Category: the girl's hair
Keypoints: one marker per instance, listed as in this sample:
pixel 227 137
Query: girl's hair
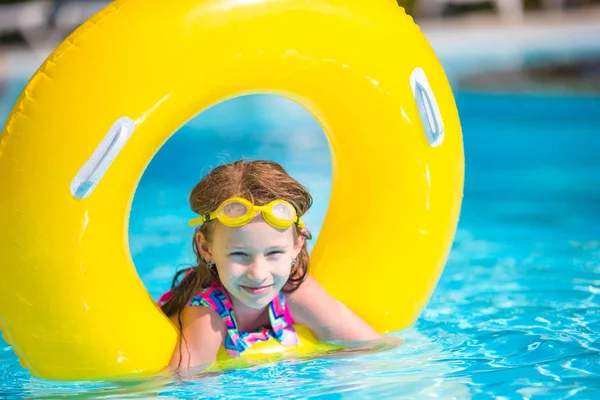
pixel 258 181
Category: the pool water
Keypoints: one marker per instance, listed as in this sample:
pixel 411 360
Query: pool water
pixel 516 312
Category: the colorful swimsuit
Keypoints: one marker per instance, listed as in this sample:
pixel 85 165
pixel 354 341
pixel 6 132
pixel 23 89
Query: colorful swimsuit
pixel 216 298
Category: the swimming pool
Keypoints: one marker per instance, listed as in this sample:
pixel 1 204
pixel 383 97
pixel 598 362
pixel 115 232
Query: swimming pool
pixel 516 312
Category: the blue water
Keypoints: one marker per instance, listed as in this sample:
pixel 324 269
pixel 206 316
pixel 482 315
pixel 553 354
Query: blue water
pixel 516 312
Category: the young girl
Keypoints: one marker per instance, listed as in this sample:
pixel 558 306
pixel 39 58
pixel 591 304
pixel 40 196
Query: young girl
pixel 252 266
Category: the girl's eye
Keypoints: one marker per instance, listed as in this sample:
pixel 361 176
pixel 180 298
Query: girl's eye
pixel 275 253
pixel 238 254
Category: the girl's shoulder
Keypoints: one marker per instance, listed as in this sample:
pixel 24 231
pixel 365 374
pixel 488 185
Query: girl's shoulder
pixel 203 331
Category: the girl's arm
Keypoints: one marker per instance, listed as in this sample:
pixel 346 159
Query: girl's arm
pixel 327 318
pixel 203 333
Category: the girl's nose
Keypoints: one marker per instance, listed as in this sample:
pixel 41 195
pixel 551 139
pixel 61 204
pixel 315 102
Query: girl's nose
pixel 257 271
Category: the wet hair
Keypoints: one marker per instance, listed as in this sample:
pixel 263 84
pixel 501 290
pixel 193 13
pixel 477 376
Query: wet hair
pixel 257 181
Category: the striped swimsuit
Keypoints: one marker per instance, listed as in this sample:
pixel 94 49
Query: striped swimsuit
pixel 216 298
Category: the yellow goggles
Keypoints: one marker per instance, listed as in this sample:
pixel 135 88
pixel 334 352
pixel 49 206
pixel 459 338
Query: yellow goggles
pixel 237 211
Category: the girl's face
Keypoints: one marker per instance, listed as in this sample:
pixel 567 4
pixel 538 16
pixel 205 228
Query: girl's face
pixel 254 261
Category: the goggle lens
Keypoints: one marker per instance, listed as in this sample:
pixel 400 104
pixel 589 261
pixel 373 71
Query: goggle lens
pixel 234 209
pixel 283 211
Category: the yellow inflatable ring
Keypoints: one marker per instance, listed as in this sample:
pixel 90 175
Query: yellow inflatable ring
pixel 92 117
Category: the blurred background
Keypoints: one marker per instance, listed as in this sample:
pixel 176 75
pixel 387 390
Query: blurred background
pixel 516 33
pixel 515 313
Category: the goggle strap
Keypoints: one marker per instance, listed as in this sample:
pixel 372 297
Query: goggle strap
pixel 199 220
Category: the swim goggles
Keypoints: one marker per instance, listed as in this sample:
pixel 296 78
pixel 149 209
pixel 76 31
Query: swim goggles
pixel 237 211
